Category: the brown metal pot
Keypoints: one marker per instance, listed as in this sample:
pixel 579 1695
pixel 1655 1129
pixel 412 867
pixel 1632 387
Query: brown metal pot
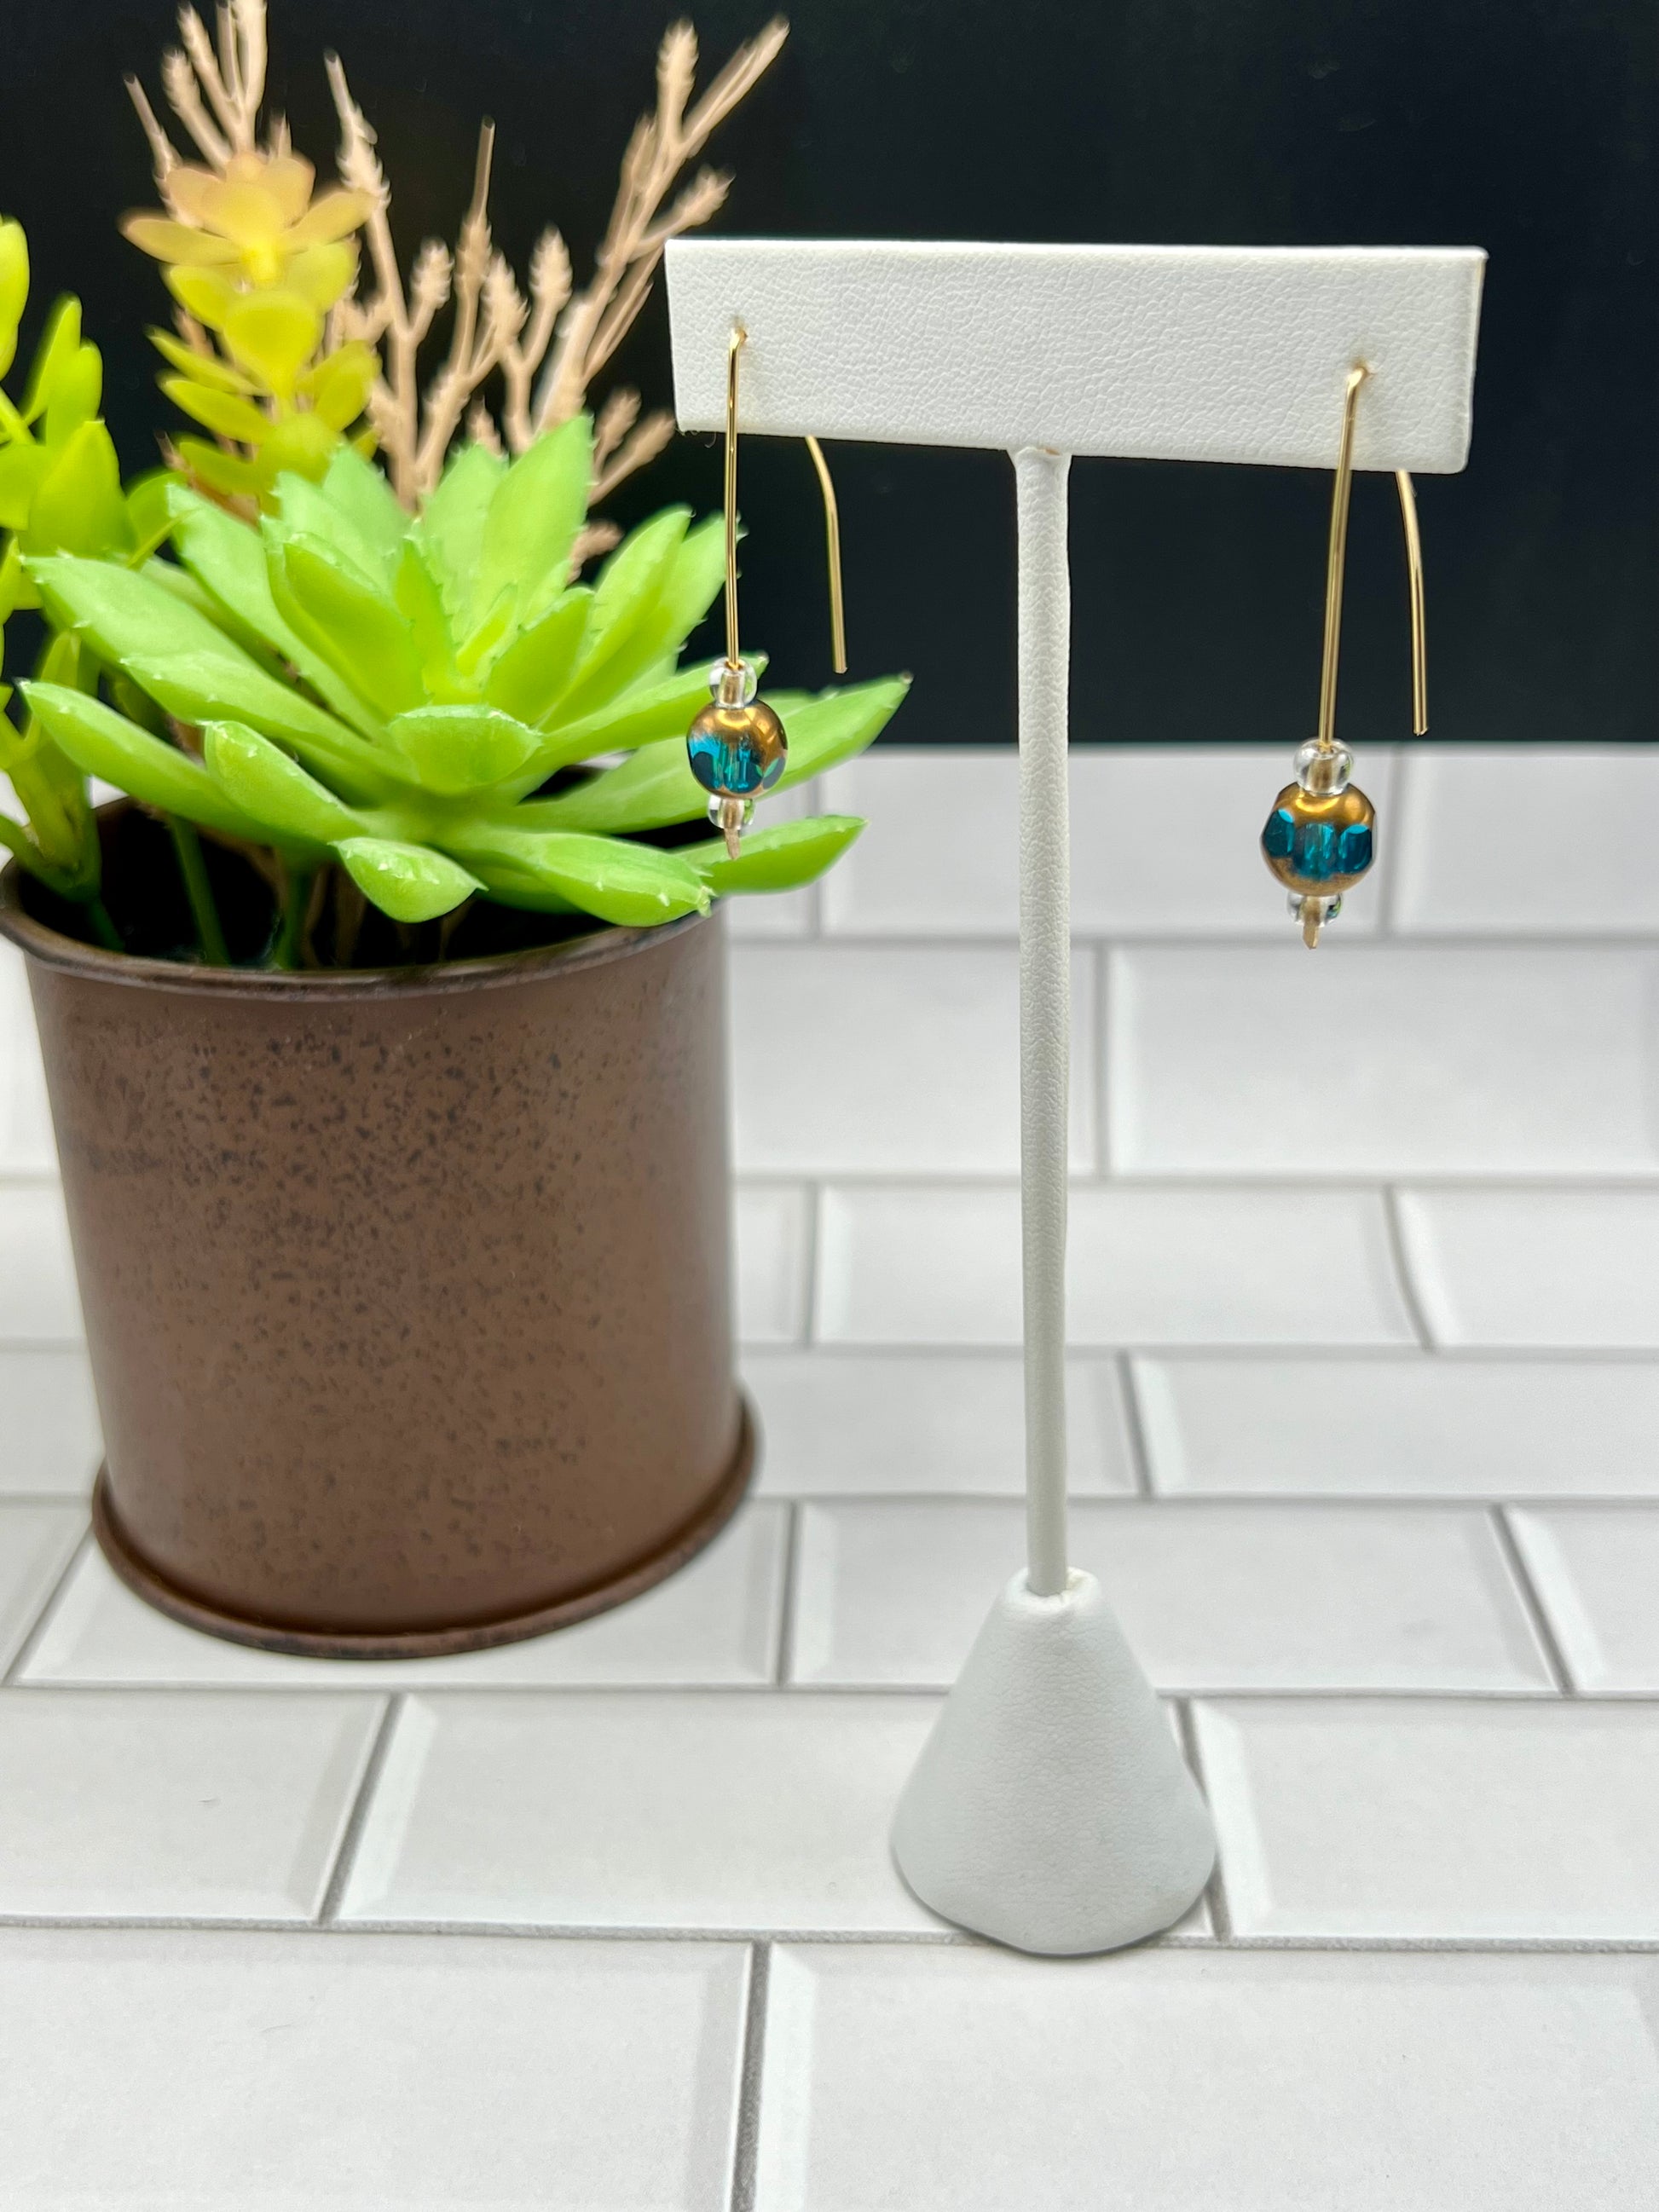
pixel 406 1289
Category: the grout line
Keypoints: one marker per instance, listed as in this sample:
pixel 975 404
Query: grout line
pixel 769 1353
pixel 1105 1059
pixel 842 1938
pixel 1255 935
pixel 749 2080
pixel 1532 1602
pixel 26 1650
pixel 809 1304
pixel 1140 1458
pixel 939 1939
pixel 1281 1181
pixel 1394 1228
pixel 729 1692
pixel 356 1820
pixel 786 1599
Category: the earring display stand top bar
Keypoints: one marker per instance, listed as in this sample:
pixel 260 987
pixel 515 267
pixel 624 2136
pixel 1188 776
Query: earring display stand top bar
pixel 1189 353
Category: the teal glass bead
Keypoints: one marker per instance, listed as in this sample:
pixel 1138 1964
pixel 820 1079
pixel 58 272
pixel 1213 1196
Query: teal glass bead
pixel 1316 851
pixel 737 752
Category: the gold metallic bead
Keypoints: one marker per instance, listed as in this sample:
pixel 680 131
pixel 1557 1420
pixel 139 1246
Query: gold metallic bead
pixel 737 752
pixel 1320 843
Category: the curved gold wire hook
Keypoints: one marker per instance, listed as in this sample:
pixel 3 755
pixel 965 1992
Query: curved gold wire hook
pixel 735 344
pixel 1335 568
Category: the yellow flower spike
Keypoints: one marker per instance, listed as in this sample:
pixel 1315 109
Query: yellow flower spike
pixel 207 294
pixel 258 218
pixel 176 243
pixel 336 215
pixel 323 273
pixel 273 334
pixel 289 178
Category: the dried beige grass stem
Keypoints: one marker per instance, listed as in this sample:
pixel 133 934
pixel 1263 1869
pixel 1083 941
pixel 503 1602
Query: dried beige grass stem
pixel 564 338
pixel 214 91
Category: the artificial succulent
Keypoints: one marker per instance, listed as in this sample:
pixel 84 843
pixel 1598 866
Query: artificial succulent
pixel 393 692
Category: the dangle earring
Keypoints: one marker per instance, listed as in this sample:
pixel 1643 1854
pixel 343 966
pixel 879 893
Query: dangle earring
pixel 1321 836
pixel 737 747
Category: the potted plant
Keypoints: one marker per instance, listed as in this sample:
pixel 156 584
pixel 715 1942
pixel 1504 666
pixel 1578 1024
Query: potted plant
pixel 383 1017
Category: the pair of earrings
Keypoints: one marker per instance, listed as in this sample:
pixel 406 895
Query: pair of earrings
pixel 1321 836
pixel 737 747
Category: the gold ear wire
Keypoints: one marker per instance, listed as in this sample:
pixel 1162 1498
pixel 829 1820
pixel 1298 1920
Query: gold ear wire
pixel 832 547
pixel 739 340
pixel 1336 562
pixel 1335 565
pixel 735 344
pixel 1414 579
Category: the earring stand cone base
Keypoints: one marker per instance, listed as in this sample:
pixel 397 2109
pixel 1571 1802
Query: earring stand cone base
pixel 1051 1808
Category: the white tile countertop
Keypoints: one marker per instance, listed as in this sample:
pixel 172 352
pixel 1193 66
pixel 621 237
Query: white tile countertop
pixel 1364 1400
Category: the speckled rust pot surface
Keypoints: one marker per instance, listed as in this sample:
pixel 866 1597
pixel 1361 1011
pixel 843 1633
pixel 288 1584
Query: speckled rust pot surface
pixel 406 1291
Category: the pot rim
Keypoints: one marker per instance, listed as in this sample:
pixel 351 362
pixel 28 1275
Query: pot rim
pixel 136 971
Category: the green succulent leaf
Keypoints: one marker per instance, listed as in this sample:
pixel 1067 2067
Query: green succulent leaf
pixel 270 789
pixel 528 678
pixel 632 885
pixel 149 512
pixel 17 585
pixel 420 602
pixel 22 467
pixel 302 444
pixel 310 510
pixel 349 620
pixel 477 651
pixel 14 288
pixel 102 743
pixel 452 526
pixel 454 750
pixel 78 507
pixel 410 882
pixel 624 599
pixel 226 473
pixel 780 858
pixel 534 514
pixel 644 715
pixel 361 493
pixel 228 558
pixel 690 585
pixel 66 381
pixel 180 584
pixel 191 669
pixel 656 786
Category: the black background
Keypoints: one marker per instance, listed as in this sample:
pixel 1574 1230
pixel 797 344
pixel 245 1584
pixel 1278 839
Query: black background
pixel 1522 125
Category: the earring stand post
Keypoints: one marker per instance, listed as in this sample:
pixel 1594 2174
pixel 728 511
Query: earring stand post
pixel 1045 995
pixel 1050 1807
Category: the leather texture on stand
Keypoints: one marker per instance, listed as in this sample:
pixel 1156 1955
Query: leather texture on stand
pixel 1190 353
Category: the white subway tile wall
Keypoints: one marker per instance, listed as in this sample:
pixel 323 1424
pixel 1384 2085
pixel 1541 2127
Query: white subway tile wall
pixel 1364 1439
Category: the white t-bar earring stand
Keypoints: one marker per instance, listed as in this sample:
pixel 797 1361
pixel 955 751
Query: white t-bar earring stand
pixel 1050 1807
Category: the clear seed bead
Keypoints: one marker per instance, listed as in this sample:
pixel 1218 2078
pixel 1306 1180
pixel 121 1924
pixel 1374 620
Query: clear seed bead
pixel 732 687
pixel 728 812
pixel 1323 773
pixel 1329 908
